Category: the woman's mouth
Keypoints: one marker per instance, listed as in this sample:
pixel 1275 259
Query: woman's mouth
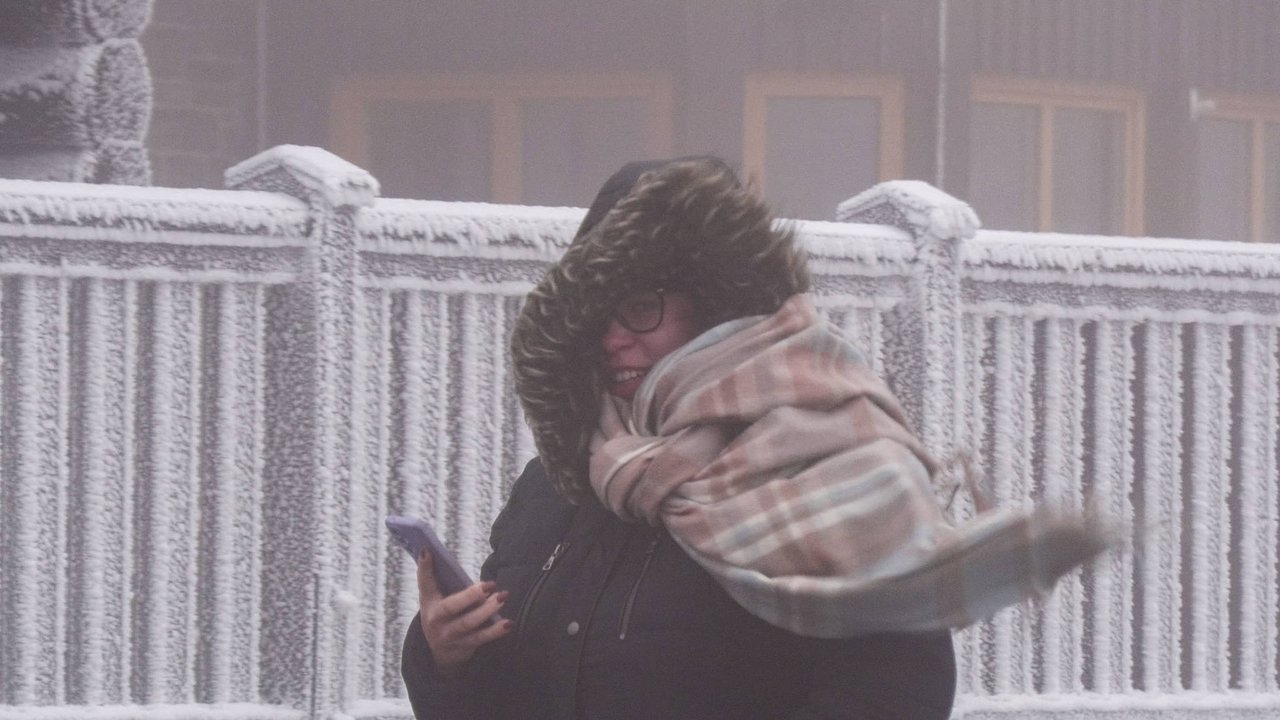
pixel 625 382
pixel 626 375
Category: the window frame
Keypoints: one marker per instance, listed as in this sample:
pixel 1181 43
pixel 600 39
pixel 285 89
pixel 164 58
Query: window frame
pixel 1048 96
pixel 349 131
pixel 1257 111
pixel 761 87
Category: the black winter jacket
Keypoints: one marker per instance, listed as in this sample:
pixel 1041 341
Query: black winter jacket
pixel 613 620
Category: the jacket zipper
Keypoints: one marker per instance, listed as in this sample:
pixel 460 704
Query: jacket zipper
pixel 537 586
pixel 631 598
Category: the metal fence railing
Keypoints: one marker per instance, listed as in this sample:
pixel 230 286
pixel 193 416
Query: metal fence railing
pixel 209 400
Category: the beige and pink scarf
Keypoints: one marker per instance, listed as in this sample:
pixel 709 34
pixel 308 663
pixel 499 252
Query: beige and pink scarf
pixel 784 466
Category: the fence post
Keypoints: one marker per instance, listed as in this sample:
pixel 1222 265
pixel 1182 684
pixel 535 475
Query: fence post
pixel 923 353
pixel 307 465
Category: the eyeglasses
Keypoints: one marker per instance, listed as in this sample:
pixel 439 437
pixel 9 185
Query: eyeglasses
pixel 640 312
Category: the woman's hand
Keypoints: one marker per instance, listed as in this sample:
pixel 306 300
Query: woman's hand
pixel 458 624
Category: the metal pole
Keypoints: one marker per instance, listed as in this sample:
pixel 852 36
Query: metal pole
pixel 940 158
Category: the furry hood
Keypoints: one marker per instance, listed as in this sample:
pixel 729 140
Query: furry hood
pixel 684 224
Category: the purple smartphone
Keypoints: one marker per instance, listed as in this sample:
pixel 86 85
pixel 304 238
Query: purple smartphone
pixel 414 536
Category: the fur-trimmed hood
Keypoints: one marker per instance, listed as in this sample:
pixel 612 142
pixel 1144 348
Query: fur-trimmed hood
pixel 684 224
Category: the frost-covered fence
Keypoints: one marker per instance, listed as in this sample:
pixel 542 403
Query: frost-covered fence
pixel 208 402
pixel 210 399
pixel 133 487
pixel 1138 375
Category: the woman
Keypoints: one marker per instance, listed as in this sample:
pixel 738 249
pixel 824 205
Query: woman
pixel 602 613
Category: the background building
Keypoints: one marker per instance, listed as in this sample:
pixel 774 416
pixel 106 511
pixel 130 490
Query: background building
pixel 1137 117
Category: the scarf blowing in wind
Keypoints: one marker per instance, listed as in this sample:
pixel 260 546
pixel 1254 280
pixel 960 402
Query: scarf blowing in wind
pixel 783 466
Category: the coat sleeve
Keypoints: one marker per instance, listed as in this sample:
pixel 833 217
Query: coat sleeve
pixel 888 676
pixel 431 694
pixel 471 694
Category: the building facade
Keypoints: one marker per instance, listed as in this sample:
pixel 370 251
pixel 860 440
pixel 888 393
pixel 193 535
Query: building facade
pixel 1134 117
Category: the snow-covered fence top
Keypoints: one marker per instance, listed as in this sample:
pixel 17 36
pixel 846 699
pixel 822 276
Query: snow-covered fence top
pixel 210 399
pixel 1141 278
pixel 139 233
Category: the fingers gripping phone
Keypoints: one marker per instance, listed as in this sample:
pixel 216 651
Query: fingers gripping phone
pixel 415 536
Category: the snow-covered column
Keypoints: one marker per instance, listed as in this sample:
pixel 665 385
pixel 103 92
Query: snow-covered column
pixel 75 91
pixel 924 350
pixel 923 353
pixel 310 355
pixel 72 22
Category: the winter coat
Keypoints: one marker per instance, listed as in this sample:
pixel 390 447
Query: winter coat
pixel 613 620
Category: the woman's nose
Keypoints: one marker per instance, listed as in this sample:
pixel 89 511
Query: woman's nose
pixel 616 337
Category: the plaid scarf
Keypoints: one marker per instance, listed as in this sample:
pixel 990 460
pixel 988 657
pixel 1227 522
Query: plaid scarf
pixel 784 466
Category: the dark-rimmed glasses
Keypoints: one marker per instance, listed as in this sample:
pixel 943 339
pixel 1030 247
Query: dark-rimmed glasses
pixel 640 312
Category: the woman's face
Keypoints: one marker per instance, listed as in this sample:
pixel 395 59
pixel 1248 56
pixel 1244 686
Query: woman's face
pixel 631 354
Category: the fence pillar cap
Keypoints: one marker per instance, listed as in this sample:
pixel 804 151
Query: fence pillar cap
pixel 315 172
pixel 915 206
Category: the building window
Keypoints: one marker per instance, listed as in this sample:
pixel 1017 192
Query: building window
pixel 546 140
pixel 1046 156
pixel 1237 171
pixel 810 142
